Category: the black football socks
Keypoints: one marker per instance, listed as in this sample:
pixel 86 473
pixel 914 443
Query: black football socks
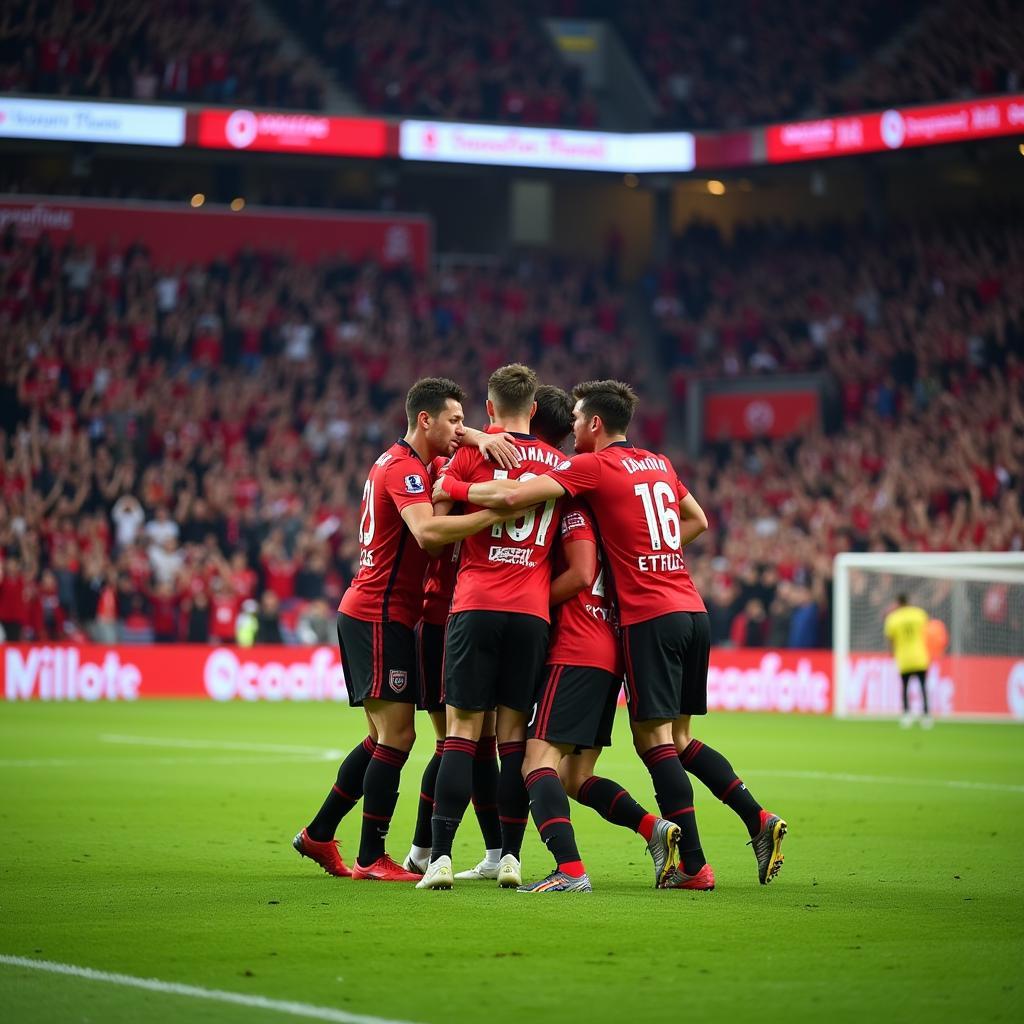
pixel 425 811
pixel 549 807
pixel 380 794
pixel 485 791
pixel 715 772
pixel 674 794
pixel 513 801
pixel 344 794
pixel 451 794
pixel 615 804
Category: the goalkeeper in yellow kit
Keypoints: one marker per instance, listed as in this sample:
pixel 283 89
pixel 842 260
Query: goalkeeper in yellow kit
pixel 905 628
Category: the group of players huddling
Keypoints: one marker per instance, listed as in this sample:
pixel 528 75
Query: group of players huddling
pixel 451 614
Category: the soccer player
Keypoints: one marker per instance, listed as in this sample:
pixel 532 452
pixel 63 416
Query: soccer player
pixel 438 590
pixel 575 710
pixel 397 529
pixel 905 628
pixel 552 423
pixel 646 517
pixel 497 635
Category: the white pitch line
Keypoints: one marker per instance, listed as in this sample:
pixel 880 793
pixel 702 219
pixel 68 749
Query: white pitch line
pixel 890 780
pixel 190 744
pixel 285 1006
pixel 65 762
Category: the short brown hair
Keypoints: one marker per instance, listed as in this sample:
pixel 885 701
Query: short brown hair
pixel 430 395
pixel 552 422
pixel 512 389
pixel 612 400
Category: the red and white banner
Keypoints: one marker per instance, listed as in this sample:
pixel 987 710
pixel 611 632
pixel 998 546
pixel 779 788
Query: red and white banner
pixel 895 129
pixel 512 146
pixel 269 132
pixel 746 415
pixel 738 680
pixel 176 233
pixel 758 680
pixel 958 686
pixel 61 672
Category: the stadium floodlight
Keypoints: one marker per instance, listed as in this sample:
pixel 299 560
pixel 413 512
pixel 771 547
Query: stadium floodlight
pixel 978 596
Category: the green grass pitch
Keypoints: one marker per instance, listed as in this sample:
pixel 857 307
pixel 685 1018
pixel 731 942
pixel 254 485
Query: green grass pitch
pixel 153 840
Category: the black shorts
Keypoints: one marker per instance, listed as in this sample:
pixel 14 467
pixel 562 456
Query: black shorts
pixel 430 652
pixel 920 675
pixel 667 666
pixel 379 660
pixel 575 705
pixel 493 658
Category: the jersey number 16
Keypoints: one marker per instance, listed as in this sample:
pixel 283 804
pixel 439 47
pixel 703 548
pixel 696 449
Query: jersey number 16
pixel 662 518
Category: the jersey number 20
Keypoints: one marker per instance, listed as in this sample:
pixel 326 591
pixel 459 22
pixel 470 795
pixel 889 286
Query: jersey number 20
pixel 367 524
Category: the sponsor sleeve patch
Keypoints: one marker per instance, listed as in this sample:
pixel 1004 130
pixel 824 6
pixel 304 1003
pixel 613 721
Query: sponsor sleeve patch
pixel 573 521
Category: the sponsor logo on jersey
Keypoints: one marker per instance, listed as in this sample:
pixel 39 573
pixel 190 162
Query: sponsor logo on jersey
pixel 366 557
pixel 660 563
pixel 573 521
pixel 398 679
pixel 414 484
pixel 511 556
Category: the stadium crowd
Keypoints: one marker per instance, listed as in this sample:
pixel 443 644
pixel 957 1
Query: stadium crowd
pixel 709 66
pixel 465 60
pixel 177 442
pixel 958 51
pixel 212 51
pixel 733 65
pixel 920 332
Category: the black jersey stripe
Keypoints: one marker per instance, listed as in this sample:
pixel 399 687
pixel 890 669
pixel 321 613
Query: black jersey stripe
pixel 402 538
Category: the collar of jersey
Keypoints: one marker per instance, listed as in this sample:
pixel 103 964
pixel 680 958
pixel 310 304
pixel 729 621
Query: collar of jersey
pixel 620 444
pixel 412 451
pixel 523 437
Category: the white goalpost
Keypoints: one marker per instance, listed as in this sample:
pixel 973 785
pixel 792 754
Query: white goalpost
pixel 979 598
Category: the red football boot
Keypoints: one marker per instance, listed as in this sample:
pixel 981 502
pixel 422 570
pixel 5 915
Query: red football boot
pixel 703 881
pixel 383 869
pixel 326 854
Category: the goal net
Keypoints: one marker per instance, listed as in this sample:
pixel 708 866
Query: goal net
pixel 979 599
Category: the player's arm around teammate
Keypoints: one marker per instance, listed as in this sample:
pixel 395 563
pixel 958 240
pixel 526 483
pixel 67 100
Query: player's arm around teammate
pixel 376 619
pixel 435 532
pixel 497 448
pixel 514 495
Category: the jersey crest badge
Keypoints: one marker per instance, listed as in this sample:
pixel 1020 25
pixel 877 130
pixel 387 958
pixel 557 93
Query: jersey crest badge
pixel 398 678
pixel 414 484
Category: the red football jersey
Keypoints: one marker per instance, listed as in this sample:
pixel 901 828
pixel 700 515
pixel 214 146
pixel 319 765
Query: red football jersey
pixel 389 584
pixel 584 632
pixel 635 497
pixel 439 581
pixel 508 568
